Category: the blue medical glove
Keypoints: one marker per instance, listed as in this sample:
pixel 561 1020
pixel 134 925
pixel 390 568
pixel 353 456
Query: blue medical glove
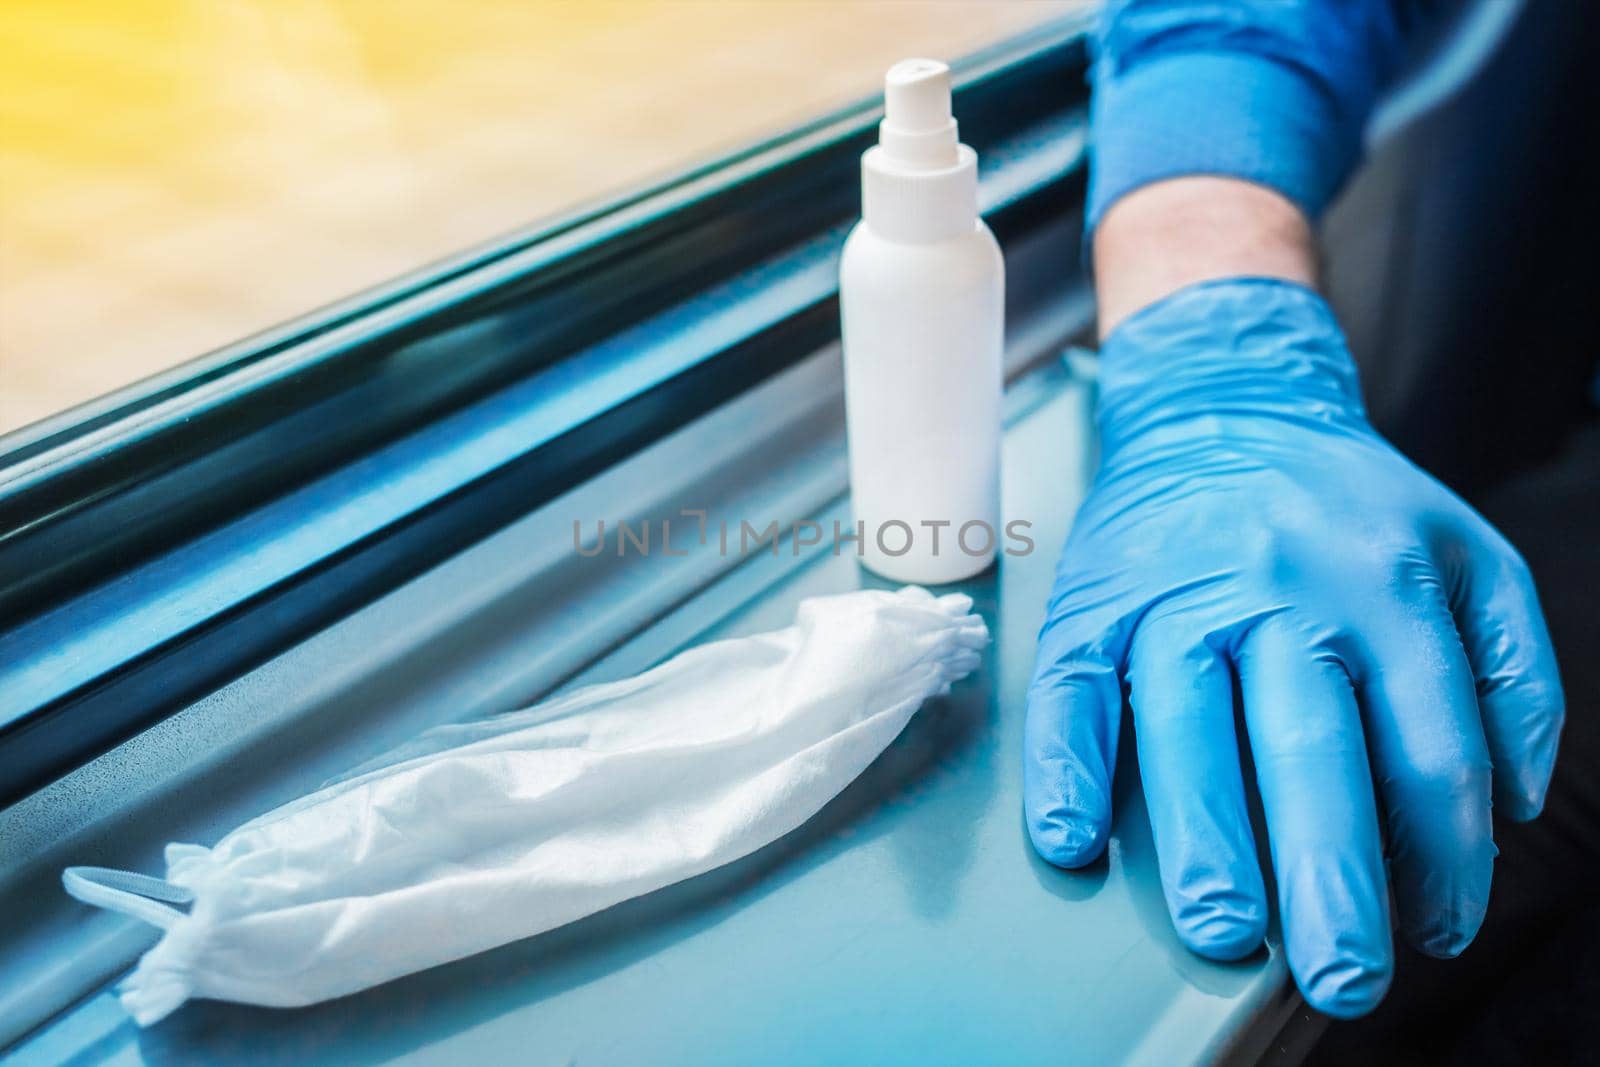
pixel 1249 533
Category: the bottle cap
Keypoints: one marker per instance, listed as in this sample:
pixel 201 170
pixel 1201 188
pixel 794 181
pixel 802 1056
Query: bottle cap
pixel 920 183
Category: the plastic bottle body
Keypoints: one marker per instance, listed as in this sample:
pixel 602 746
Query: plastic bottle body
pixel 923 330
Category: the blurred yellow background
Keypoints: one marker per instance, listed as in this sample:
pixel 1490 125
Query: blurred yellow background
pixel 177 175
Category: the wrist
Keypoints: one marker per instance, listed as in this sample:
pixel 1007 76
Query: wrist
pixel 1234 349
pixel 1167 236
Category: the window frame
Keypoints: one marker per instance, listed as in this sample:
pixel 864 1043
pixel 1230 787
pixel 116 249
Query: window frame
pixel 160 542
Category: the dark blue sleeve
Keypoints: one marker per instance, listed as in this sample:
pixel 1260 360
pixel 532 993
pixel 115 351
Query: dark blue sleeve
pixel 1272 91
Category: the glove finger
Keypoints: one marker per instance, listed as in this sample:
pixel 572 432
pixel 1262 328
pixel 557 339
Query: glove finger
pixel 1316 792
pixel 1069 750
pixel 1514 669
pixel 1432 761
pixel 1182 697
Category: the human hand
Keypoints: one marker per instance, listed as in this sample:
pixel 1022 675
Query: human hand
pixel 1248 529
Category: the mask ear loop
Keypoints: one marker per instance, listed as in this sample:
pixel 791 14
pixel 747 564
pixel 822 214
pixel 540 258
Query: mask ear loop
pixel 134 895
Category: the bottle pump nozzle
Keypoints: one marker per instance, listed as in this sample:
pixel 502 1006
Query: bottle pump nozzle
pixel 918 130
pixel 919 183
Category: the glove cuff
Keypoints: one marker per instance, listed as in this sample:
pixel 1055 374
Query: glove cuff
pixel 1254 347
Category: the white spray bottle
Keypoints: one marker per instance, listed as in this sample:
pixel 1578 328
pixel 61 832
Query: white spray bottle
pixel 922 300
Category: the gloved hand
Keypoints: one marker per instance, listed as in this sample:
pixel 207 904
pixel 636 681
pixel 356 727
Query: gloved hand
pixel 1247 526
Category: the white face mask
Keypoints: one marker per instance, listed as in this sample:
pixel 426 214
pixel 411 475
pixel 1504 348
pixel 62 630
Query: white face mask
pixel 479 834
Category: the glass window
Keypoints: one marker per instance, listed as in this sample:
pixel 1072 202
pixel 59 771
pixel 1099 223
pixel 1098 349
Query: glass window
pixel 177 175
